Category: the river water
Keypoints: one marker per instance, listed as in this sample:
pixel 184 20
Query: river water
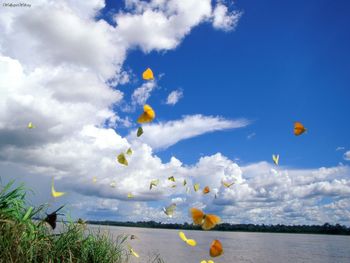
pixel 238 247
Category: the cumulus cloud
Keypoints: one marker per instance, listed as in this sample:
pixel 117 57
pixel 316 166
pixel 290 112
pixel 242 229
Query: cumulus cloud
pixel 347 156
pixel 223 19
pixel 161 25
pixel 165 134
pixel 141 94
pixel 174 97
pixel 63 80
pixel 46 27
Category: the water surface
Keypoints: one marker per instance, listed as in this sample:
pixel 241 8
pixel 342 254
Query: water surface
pixel 238 246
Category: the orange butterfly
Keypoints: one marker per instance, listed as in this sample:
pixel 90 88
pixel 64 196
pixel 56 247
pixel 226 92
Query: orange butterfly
pixel 216 249
pixel 148 114
pixel 298 128
pixel 206 221
pixel 206 190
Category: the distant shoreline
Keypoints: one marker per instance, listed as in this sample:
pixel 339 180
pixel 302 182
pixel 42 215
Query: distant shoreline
pixel 326 229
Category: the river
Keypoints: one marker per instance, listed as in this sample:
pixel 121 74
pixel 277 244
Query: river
pixel 238 247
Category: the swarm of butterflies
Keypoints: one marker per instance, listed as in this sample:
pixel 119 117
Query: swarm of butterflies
pixel 206 221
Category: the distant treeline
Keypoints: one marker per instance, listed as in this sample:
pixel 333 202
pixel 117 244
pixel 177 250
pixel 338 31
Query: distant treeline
pixel 305 229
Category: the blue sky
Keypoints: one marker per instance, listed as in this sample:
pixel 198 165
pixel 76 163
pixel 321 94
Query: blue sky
pixel 247 71
pixel 285 62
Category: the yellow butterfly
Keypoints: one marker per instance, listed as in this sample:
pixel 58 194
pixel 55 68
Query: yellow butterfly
pixel 275 158
pixel 190 242
pixel 148 114
pixel 121 159
pixel 196 187
pixel 209 261
pixel 139 131
pixel 171 178
pixel 169 211
pixel 184 183
pixel 227 184
pixel 53 192
pixel 148 74
pixel 153 183
pixel 130 195
pixel 133 251
pixel 129 151
pixel 112 184
pixel 30 125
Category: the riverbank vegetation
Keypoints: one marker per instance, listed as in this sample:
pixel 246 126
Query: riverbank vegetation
pixel 23 239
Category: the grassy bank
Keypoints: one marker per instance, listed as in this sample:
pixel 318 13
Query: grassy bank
pixel 24 240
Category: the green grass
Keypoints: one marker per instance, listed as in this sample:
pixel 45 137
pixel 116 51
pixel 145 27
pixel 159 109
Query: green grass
pixel 23 239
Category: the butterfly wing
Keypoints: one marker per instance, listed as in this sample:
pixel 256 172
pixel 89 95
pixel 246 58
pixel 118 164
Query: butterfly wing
pixel 275 158
pixel 197 216
pixel 227 184
pixel 169 211
pixel 191 242
pixel 171 178
pixel 53 191
pixel 216 248
pixel 153 183
pixel 139 131
pixel 210 221
pixel 148 114
pixel 206 190
pixel 298 128
pixel 122 160
pixel 196 187
pixel 51 220
pixel 129 151
pixel 182 236
pixel 132 251
pixel 148 74
pixel 184 183
pixel 30 125
pixel 149 111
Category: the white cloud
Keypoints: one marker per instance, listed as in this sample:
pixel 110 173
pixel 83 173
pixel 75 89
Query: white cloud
pixel 165 134
pixel 251 135
pixel 347 156
pixel 142 94
pixel 161 25
pixel 46 29
pixel 174 97
pixel 223 19
pixel 62 79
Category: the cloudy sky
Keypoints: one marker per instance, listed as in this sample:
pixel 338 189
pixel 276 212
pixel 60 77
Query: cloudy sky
pixel 230 80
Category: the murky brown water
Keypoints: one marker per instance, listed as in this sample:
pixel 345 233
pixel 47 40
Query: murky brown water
pixel 238 246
